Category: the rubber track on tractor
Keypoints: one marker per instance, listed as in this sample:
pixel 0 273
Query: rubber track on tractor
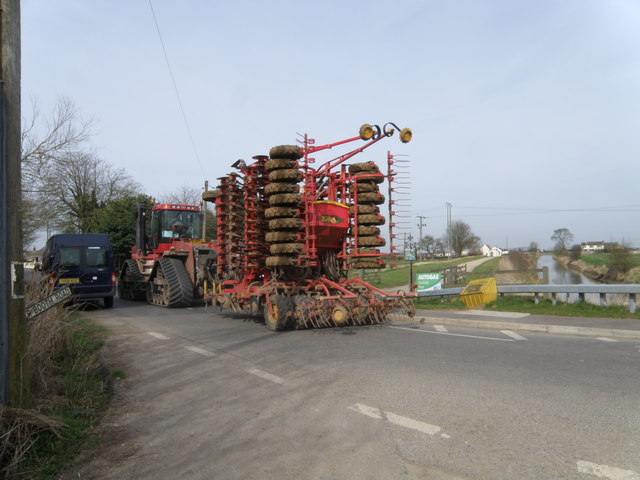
pixel 178 282
pixel 128 290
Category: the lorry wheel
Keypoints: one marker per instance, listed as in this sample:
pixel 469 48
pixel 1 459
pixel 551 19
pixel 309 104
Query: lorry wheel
pixel 281 314
pixel 108 302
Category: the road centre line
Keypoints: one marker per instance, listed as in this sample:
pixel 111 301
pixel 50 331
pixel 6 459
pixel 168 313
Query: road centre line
pixel 396 419
pixel 440 328
pixel 605 471
pixel 606 339
pixel 200 351
pixel 452 334
pixel 158 335
pixel 513 335
pixel 266 376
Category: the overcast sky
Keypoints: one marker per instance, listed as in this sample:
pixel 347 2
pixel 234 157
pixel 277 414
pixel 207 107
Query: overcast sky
pixel 526 114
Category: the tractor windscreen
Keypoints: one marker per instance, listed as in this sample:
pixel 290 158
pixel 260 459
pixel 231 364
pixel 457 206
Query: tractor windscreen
pixel 167 224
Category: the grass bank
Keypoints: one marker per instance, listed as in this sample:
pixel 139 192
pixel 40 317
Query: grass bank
pixel 392 277
pixel 527 305
pixel 70 390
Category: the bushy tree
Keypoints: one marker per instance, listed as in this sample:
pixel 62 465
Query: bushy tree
pixel 621 258
pixel 117 218
pixel 575 253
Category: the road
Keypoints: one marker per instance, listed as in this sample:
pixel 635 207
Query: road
pixel 211 395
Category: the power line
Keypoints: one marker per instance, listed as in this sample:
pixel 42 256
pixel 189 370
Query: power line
pixel 175 88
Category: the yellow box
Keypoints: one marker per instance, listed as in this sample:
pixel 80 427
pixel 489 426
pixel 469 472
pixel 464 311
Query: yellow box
pixel 479 292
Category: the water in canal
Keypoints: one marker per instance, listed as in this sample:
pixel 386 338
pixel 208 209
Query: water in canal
pixel 559 275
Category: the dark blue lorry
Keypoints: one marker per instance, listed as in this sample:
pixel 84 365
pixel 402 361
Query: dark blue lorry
pixel 84 262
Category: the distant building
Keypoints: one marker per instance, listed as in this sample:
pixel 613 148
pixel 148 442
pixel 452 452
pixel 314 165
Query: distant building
pixel 590 247
pixel 489 251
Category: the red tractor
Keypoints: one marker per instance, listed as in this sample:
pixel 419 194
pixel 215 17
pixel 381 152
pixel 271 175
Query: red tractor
pixel 289 234
pixel 167 267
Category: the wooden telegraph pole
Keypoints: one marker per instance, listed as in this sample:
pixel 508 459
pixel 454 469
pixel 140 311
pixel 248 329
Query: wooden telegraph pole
pixel 14 378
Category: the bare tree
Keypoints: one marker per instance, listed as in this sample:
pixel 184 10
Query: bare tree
pixel 64 182
pixel 185 195
pixel 563 237
pixel 51 139
pixel 461 238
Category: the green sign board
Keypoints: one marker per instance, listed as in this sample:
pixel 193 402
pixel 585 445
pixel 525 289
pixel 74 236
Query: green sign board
pixel 429 281
pixel 409 256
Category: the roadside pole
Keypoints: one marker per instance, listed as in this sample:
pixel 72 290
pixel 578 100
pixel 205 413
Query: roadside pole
pixel 14 373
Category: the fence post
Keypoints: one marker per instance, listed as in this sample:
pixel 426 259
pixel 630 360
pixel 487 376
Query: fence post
pixel 632 303
pixel 545 275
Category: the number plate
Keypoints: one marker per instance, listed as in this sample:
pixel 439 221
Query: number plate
pixel 69 280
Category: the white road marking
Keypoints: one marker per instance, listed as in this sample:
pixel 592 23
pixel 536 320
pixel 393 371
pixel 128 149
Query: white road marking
pixel 606 339
pixel 396 419
pixel 513 335
pixel 485 313
pixel 200 351
pixel 605 471
pixel 266 376
pixel 158 335
pixel 440 328
pixel 452 334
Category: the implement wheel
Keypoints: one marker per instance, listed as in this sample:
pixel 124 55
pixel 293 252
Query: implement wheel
pixel 281 237
pixel 286 175
pixel 294 152
pixel 285 199
pixel 281 187
pixel 281 315
pixel 279 163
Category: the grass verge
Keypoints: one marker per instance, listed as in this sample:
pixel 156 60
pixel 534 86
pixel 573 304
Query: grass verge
pixel 70 390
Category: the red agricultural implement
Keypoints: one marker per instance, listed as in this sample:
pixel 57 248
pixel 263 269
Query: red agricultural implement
pixel 288 234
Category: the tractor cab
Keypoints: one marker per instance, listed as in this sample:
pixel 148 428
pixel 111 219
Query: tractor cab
pixel 174 222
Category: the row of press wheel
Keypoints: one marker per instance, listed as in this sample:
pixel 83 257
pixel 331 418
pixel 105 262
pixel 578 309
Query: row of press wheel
pixel 366 196
pixel 283 214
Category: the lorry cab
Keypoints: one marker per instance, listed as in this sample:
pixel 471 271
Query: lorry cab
pixel 84 262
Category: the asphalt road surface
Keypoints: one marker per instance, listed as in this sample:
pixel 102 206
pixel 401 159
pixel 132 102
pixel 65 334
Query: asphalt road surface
pixel 212 395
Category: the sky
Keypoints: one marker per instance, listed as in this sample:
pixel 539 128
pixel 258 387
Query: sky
pixel 525 114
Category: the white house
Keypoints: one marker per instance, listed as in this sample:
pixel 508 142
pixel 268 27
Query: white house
pixel 489 251
pixel 592 246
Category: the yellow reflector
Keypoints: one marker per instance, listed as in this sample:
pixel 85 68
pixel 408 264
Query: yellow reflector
pixel 366 131
pixel 405 135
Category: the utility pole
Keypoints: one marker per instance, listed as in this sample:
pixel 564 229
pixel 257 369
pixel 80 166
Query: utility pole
pixel 421 225
pixel 14 372
pixel 448 205
pixel 204 214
